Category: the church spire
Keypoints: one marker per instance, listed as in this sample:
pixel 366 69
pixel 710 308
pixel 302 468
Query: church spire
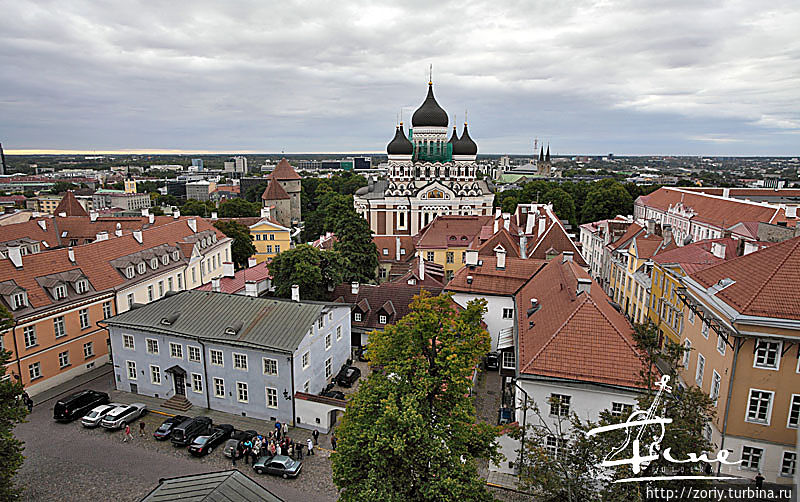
pixel 541 154
pixel 547 155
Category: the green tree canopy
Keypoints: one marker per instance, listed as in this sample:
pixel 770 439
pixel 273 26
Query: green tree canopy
pixel 606 199
pixel 242 247
pixel 563 205
pixel 254 193
pixel 238 208
pixel 12 412
pixel 62 186
pixel 308 267
pixel 409 433
pixel 194 207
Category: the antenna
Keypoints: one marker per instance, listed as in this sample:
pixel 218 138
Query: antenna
pixel 465 116
pixel 2 160
pixel 430 74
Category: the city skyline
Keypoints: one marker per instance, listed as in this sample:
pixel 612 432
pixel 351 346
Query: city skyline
pixel 589 78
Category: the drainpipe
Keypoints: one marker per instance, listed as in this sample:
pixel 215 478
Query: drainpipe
pixel 524 421
pixel 16 350
pixel 205 373
pixel 291 367
pixel 728 402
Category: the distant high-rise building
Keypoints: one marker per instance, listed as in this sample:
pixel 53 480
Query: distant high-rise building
pixel 2 160
pixel 198 163
pixel 236 166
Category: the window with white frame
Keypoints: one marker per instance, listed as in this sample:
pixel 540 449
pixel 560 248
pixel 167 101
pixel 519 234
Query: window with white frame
pixel 716 382
pixel 216 357
pixel 621 409
pixel 150 293
pixel 555 446
pixel 63 359
pixel 35 370
pixel 106 310
pixel 767 354
pixel 328 367
pixel 219 387
pixel 270 366
pixel 160 289
pixel 357 316
pixel 704 330
pixel 197 382
pixel 81 286
pixel 751 458
pixel 240 361
pixel 508 313
pixel 382 319
pixel 691 316
pixel 130 300
pixel 131 365
pixel 152 346
pixel 559 405
pixel 327 341
pixel 241 392
pixel 19 300
pixel 180 282
pixel 509 360
pixel 272 397
pixel 60 292
pixel 29 333
pixel 155 375
pixel 176 350
pixel 193 353
pixel 305 360
pixel 720 344
pixel 794 412
pixel 701 368
pixel 687 344
pixel 83 316
pixel 321 322
pixel 338 333
pixel 127 342
pixel 789 463
pixel 306 386
pixel 759 406
pixel 88 350
pixel 59 327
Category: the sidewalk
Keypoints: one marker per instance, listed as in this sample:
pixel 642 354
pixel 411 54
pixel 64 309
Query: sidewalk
pixel 75 384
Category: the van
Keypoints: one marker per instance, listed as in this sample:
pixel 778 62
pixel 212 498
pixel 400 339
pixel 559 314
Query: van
pixel 186 431
pixel 78 404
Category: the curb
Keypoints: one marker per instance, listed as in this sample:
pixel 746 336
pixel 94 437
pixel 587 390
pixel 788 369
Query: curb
pixel 110 370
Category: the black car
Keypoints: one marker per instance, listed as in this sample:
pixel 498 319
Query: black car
pixel 347 376
pixel 492 361
pixel 185 432
pixel 165 429
pixel 78 404
pixel 203 445
pixel 335 394
pixel 237 438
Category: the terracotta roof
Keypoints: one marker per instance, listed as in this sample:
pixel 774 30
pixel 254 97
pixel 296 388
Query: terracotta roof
pixel 624 240
pixel 236 283
pixel 389 243
pixel 574 336
pixel 434 274
pixel 748 229
pixel 648 246
pixel 284 171
pixel 325 241
pixel 748 192
pixel 70 205
pixel 554 238
pixel 697 255
pixel 33 230
pixel 81 227
pixel 274 191
pixel 503 238
pixel 400 294
pixel 452 231
pixel 764 281
pixel 488 279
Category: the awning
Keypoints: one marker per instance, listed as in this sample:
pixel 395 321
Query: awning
pixel 177 370
pixel 505 338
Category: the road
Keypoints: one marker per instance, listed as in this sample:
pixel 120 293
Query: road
pixel 66 462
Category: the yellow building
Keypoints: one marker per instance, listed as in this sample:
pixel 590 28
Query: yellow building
pixel 446 239
pixel 269 237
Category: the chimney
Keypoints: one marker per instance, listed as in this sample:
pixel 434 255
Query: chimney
pixel 215 285
pixel 584 286
pixel 176 213
pixel 213 215
pixel 718 250
pixel 749 247
pixel 192 224
pixel 469 279
pixel 523 245
pixel 151 218
pixel 250 288
pixel 494 230
pixel 534 303
pixel 42 224
pixel 265 212
pixel 62 214
pixel 397 248
pixel 93 216
pixel 506 221
pixel 726 192
pixel 667 231
pixel 542 224
pixel 472 257
pixel 791 211
pixel 145 211
pixel 101 236
pixel 354 287
pixel 295 293
pixel 500 253
pixel 568 255
pixel 498 213
pixel 118 230
pixel 227 269
pixel 651 227
pixel 529 223
pixel 71 254
pixel 15 255
pixel 251 262
pixel 421 268
pixel 137 234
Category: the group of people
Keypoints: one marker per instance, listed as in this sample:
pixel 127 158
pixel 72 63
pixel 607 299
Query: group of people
pixel 276 442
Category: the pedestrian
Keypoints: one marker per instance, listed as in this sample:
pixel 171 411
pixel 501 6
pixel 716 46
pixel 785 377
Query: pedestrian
pixel 253 457
pixel 285 429
pixel 236 453
pixel 141 428
pixel 759 481
pixel 128 434
pixel 333 442
pixel 299 447
pixel 315 435
pixel 310 446
pixel 28 401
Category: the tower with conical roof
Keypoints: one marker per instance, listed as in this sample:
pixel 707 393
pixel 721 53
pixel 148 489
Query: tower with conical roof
pixel 289 181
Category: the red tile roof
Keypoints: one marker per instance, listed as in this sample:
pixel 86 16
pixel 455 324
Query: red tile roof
pixel 400 294
pixel 389 243
pixel 70 205
pixel 574 336
pixel 624 240
pixel 697 255
pixel 434 274
pixel 488 280
pixel 555 237
pixel 236 283
pixel 274 191
pixel 502 238
pixel 452 231
pixel 284 171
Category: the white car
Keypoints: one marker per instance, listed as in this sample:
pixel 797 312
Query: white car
pixel 122 415
pixel 94 417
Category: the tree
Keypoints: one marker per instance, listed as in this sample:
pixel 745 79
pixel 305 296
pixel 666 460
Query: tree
pixel 194 207
pixel 409 433
pixel 563 205
pixel 606 199
pixel 242 247
pixel 156 211
pixel 254 193
pixel 354 239
pixel 62 186
pixel 12 412
pixel 308 267
pixel 238 208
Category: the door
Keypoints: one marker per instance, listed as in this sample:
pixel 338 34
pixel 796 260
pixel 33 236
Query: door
pixel 180 385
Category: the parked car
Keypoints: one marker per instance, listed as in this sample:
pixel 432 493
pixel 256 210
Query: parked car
pixel 279 465
pixel 78 404
pixel 122 415
pixel 165 429
pixel 361 354
pixel 236 438
pixel 491 361
pixel 504 416
pixel 335 394
pixel 347 376
pixel 98 413
pixel 202 445
pixel 185 432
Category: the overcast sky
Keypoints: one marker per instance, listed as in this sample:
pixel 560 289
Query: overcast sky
pixel 630 77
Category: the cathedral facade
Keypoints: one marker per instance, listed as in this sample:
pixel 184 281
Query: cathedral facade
pixel 429 175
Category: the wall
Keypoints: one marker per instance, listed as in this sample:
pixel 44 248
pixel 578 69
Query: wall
pixel 313 415
pixel 314 344
pixel 494 312
pixel 261 239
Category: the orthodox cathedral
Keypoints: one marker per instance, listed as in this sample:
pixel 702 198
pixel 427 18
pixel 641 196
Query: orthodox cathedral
pixel 429 175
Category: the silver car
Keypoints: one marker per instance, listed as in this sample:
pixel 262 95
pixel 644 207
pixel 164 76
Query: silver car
pixel 94 417
pixel 122 415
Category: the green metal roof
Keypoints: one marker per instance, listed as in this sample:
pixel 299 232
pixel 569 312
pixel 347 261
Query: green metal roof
pixel 226 486
pixel 263 322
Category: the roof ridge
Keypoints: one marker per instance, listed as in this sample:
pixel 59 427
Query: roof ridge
pixel 777 267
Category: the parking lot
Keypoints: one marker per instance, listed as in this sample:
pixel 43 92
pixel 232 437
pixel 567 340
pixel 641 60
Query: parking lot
pixel 68 462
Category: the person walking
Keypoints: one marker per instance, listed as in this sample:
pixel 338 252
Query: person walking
pixel 333 442
pixel 310 445
pixel 285 429
pixel 315 435
pixel 236 453
pixel 141 429
pixel 299 448
pixel 128 434
pixel 759 481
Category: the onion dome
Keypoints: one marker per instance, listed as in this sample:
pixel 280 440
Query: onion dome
pixel 454 137
pixel 465 145
pixel 400 145
pixel 429 114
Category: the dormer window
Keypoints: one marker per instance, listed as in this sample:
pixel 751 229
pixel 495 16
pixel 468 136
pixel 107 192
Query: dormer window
pixel 175 256
pixel 165 259
pixel 204 242
pixel 19 300
pixel 382 319
pixel 60 292
pixel 129 271
pixel 141 267
pixel 154 263
pixel 357 316
pixel 213 237
pixel 81 286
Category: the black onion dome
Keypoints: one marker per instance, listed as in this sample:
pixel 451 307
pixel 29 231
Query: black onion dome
pixel 454 137
pixel 465 145
pixel 429 114
pixel 400 144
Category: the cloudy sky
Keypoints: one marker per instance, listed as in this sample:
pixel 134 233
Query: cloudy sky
pixel 629 77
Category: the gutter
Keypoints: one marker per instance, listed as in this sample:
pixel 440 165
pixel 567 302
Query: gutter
pixel 291 367
pixel 16 350
pixel 728 402
pixel 205 373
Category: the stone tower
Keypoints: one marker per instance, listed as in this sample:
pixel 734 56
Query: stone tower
pixel 290 182
pixel 275 197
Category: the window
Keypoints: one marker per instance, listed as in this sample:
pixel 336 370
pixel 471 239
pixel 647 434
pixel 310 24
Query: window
pixel 35 370
pixel 509 360
pixel 20 300
pixel 165 259
pixel 720 344
pixel 704 330
pixel 691 316
pixel 269 248
pixel 88 350
pixel 429 256
pixel 555 446
pixel 141 267
pixel 180 282
pixel 687 344
pixel 30 336
pixel 130 300
pixel 154 263
pixel 450 257
pixel 175 350
pixel 272 397
pixel 338 333
pixel 241 392
pixel 621 409
pixel 716 381
pixel 759 408
pixel 150 293
pixel 83 314
pixel 197 382
pixel 701 367
pixel 270 366
pixel 508 313
pixel 63 359
pixel 240 361
pixel 277 248
pixel 559 405
pixel 169 284
pixel 194 353
pixel 160 289
pixel 155 375
pixel 194 274
pixel 321 322
pixel 789 463
pixel 127 342
pixel 106 310
pixel 357 316
pixel 152 346
pixel 382 319
pixel 129 271
pixel 328 367
pixel 751 457
pixel 60 292
pixel 305 360
pixel 216 357
pixel 81 286
pixel 385 251
pixel 219 387
pixel 794 412
pixel 131 365
pixel 767 355
pixel 58 326
pixel 327 341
